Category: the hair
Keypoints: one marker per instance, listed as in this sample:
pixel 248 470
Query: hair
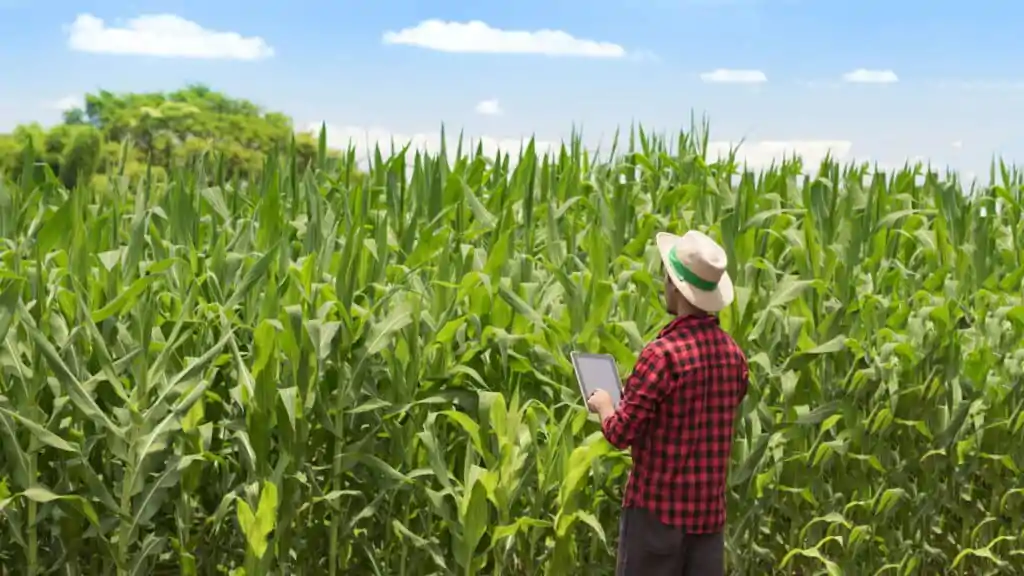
pixel 686 308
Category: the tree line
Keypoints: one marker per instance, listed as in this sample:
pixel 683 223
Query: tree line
pixel 137 133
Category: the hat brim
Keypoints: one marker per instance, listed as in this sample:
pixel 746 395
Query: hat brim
pixel 706 300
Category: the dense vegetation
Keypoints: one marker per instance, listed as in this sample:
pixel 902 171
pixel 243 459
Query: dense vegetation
pixel 128 134
pixel 320 374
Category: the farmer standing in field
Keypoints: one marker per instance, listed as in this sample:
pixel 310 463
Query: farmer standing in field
pixel 676 414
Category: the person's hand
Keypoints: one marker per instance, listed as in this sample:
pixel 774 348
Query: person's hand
pixel 600 402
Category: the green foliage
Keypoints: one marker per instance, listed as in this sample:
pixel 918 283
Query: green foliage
pixel 322 372
pixel 165 130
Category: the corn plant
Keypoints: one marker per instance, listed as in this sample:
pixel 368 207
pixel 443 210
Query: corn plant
pixel 345 369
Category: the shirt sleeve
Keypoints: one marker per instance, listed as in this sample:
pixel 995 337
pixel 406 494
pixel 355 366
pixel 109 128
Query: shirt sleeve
pixel 643 391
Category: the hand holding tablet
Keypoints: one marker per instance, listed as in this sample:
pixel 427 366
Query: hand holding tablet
pixel 597 372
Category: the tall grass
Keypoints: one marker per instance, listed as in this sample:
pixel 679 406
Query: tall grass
pixel 325 372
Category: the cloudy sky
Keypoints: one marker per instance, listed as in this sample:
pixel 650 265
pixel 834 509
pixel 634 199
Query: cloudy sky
pixel 873 80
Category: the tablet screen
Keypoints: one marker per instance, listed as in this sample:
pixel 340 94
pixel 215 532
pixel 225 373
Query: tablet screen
pixel 597 372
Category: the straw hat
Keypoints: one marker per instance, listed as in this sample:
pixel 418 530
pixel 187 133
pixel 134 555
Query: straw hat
pixel 696 265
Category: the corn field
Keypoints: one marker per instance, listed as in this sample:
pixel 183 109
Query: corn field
pixel 343 370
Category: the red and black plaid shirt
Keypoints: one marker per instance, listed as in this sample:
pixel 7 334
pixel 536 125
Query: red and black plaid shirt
pixel 677 413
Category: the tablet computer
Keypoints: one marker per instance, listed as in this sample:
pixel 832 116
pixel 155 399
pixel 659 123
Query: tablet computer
pixel 597 372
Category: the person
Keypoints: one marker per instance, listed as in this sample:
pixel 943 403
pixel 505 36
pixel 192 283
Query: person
pixel 676 415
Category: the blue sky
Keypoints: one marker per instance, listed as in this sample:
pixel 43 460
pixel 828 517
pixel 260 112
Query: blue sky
pixel 951 92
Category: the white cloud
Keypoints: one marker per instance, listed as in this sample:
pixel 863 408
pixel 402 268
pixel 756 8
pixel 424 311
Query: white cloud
pixel 69 102
pixel 756 154
pixel 164 35
pixel 478 37
pixel 865 76
pixel 760 154
pixel 365 139
pixel 723 75
pixel 958 144
pixel 489 108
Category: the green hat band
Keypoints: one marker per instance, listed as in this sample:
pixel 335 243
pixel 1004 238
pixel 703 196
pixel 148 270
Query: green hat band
pixel 683 273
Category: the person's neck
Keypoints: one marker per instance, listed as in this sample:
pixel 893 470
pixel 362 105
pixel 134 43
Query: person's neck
pixel 684 311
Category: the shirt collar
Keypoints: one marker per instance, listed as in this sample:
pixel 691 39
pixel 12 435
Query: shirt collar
pixel 679 322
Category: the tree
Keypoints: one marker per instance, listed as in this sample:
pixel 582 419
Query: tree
pixel 75 116
pixel 163 128
pixel 80 156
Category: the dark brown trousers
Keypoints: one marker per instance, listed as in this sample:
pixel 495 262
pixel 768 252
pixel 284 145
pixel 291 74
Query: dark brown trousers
pixel 647 547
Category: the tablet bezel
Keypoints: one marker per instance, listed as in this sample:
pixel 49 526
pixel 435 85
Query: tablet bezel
pixel 576 356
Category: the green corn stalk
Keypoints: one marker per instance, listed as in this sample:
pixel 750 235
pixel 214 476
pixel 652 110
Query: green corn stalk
pixel 359 367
